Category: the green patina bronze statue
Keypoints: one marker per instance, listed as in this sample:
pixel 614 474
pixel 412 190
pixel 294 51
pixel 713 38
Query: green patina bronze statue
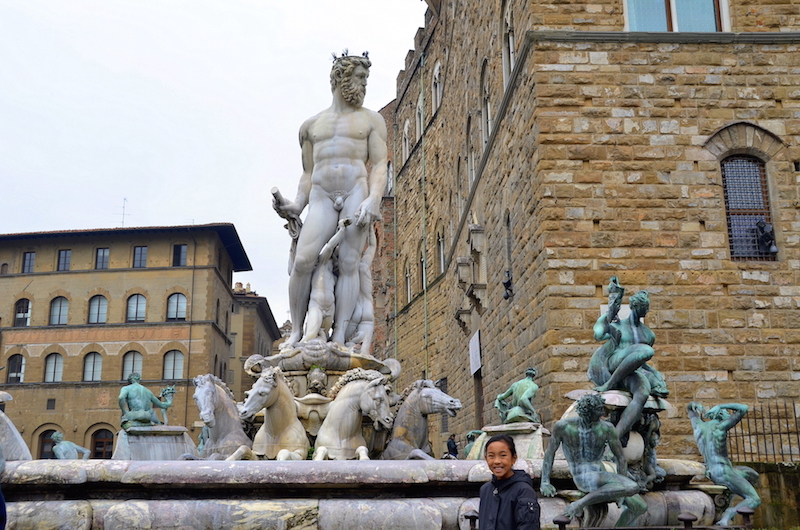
pixel 136 403
pixel 621 363
pixel 521 394
pixel 67 450
pixel 712 440
pixel 584 439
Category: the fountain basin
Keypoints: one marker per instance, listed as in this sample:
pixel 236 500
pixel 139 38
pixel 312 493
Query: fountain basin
pixel 120 494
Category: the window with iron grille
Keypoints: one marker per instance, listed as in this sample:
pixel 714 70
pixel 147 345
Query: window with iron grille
pixel 744 180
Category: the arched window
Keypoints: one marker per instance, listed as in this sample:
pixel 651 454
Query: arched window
pixel 441 256
pixel 176 307
pixel 744 180
pixel 102 443
pixel 422 276
pixel 131 362
pixel 509 239
pixel 59 308
pixel 509 43
pixel 406 144
pixel 216 366
pixel 408 284
pixel 460 195
pixel 389 179
pixel 98 309
pixel 92 367
pixel 22 312
pixel 53 368
pixel 436 88
pixel 420 116
pixel 16 369
pixel 470 156
pixel 486 107
pixel 46 444
pixel 137 308
pixel 173 365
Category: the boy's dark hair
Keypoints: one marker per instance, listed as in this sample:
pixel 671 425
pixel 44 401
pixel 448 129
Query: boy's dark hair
pixel 509 441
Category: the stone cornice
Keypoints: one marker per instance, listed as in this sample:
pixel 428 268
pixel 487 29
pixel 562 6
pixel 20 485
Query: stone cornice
pixel 672 37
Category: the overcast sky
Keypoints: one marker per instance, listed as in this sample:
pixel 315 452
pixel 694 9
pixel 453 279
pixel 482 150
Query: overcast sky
pixel 189 109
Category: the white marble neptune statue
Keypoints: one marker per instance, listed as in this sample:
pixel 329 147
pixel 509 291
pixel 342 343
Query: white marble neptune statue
pixel 338 146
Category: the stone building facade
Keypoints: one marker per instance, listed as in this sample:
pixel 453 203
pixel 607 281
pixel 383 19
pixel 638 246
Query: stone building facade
pixel 253 330
pixel 554 145
pixel 82 309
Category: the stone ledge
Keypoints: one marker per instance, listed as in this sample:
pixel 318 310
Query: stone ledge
pixel 307 473
pixel 673 37
pixel 203 474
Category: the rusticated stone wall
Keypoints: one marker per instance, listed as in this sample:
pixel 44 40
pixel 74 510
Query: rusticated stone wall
pixel 602 158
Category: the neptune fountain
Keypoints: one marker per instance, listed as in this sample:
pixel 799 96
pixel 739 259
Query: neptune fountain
pixel 336 447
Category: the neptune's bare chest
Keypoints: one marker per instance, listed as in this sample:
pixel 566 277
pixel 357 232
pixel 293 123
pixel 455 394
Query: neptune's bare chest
pixel 331 126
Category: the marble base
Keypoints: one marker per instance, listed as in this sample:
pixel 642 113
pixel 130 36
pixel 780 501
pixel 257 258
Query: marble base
pixel 527 436
pixel 160 442
pixel 435 495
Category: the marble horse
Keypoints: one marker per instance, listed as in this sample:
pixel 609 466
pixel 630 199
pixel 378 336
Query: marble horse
pixel 282 436
pixel 357 393
pixel 410 432
pixel 223 430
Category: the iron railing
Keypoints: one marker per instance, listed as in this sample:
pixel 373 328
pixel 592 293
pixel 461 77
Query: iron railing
pixel 770 432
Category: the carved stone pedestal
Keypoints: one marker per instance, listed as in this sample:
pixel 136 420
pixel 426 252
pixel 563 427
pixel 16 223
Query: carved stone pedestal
pixel 527 438
pixel 161 442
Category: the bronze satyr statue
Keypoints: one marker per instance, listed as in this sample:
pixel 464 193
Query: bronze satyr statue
pixel 516 404
pixel 67 450
pixel 621 363
pixel 136 403
pixel 584 439
pixel 712 440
